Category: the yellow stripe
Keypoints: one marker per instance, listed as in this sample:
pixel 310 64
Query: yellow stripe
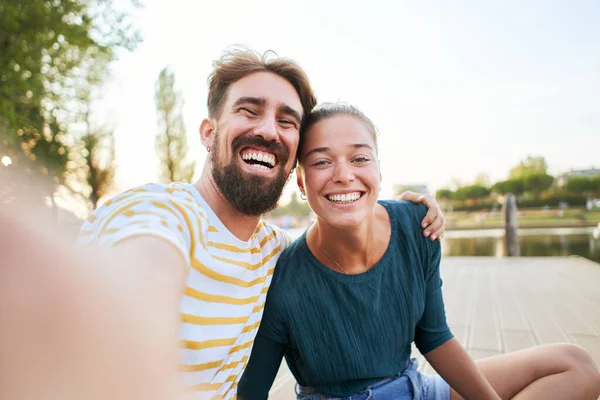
pixel 123 196
pixel 251 327
pixel 258 308
pixel 241 347
pixel 212 298
pixel 199 219
pixel 204 270
pixel 234 249
pixel 190 227
pixel 251 267
pixel 200 234
pixel 200 367
pixel 267 239
pixel 234 364
pixel 196 210
pixel 118 213
pixel 165 207
pixel 192 319
pixel 206 344
pixel 265 290
pixel 212 229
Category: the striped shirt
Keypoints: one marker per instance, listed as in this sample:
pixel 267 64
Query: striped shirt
pixel 222 305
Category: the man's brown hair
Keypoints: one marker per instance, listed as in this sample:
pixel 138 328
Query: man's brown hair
pixel 238 62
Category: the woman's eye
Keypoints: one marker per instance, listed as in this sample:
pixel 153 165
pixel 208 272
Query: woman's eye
pixel 319 163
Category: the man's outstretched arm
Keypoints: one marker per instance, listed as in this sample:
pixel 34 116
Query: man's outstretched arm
pixel 86 323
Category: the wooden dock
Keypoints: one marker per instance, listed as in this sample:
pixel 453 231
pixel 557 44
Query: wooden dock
pixel 499 305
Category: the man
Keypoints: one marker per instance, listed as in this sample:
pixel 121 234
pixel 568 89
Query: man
pixel 207 240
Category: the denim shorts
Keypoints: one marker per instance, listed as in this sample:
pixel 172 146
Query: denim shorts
pixel 409 384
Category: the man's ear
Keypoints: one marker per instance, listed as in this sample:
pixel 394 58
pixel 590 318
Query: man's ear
pixel 207 128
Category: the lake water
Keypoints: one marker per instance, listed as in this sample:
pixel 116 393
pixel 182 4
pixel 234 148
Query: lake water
pixel 533 242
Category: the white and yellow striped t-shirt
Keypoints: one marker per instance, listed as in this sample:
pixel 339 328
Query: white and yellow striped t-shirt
pixel 227 281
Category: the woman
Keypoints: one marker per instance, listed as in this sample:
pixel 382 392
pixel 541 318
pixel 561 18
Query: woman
pixel 361 284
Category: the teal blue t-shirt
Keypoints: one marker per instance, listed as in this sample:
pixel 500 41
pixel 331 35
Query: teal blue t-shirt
pixel 341 333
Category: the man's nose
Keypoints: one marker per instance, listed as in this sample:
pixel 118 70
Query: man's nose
pixel 267 128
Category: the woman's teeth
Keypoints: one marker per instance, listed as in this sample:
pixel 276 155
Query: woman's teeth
pixel 344 198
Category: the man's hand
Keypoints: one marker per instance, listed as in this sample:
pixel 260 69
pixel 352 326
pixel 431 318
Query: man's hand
pixel 81 324
pixel 434 223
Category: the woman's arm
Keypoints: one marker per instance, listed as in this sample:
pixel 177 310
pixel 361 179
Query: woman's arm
pixel 458 369
pixel 261 369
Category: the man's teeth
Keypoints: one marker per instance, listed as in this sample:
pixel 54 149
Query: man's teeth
pixel 344 197
pixel 266 158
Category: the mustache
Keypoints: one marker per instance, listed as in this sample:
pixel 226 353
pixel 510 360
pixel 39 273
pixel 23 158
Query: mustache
pixel 272 147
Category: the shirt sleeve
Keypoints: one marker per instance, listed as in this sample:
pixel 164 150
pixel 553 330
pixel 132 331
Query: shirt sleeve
pixel 159 215
pixel 261 370
pixel 432 330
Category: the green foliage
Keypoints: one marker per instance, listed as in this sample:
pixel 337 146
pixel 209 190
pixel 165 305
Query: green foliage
pixel 471 192
pixel 514 186
pixel 537 183
pixel 583 185
pixel 444 194
pixel 529 166
pixel 44 46
pixel 171 141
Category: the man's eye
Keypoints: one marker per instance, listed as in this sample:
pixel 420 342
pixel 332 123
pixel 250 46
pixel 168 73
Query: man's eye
pixel 361 159
pixel 249 111
pixel 287 123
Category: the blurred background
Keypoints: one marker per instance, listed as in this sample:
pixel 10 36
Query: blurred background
pixel 472 100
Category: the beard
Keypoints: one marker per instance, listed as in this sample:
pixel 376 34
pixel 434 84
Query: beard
pixel 251 195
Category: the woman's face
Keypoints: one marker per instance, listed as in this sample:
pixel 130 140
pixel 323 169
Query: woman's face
pixel 340 171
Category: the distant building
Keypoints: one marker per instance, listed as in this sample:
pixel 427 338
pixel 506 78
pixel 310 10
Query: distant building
pixel 419 188
pixel 588 173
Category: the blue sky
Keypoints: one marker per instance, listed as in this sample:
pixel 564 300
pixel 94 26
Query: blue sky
pixel 456 89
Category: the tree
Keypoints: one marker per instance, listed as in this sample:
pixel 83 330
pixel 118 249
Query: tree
pixel 514 186
pixel 444 194
pixel 43 45
pixel 537 183
pixel 171 141
pixel 96 158
pixel 529 166
pixel 583 185
pixel 472 192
